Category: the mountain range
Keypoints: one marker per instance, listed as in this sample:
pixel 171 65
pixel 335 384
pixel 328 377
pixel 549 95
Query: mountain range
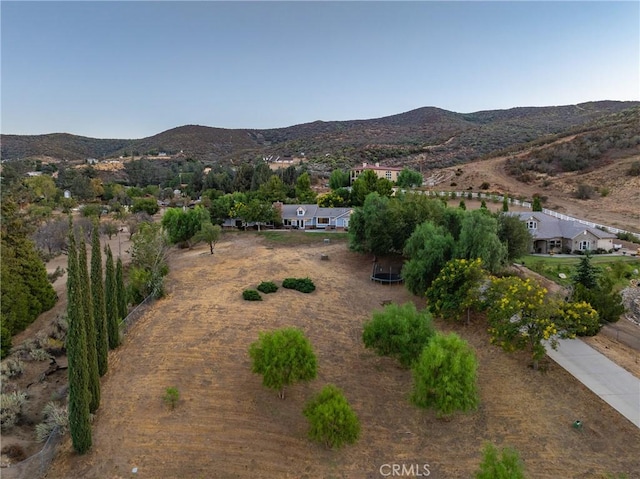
pixel 426 135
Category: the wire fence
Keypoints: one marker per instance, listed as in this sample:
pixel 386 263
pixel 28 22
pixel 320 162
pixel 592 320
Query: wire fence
pixel 36 466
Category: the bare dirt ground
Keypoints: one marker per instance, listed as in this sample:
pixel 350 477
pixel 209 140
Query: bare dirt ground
pixel 620 208
pixel 227 425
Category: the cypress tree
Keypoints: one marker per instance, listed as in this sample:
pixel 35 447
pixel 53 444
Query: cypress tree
pixel 90 327
pixel 121 292
pixel 79 425
pixel 99 310
pixel 111 303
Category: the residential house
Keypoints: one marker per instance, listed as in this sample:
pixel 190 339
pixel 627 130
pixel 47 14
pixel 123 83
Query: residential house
pixel 388 172
pixel 314 216
pixel 555 235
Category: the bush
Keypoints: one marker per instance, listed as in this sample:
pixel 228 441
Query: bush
pixel 304 285
pixel 54 416
pixel 39 354
pixel 267 287
pixel 485 186
pixel 171 397
pixel 331 419
pixel 634 169
pixel 398 331
pixel 506 465
pixel 251 295
pixel 12 368
pixel 584 192
pixel 11 408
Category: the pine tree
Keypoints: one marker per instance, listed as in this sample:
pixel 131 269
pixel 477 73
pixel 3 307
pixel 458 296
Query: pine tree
pixel 79 425
pixel 121 292
pixel 111 305
pixel 99 311
pixel 90 327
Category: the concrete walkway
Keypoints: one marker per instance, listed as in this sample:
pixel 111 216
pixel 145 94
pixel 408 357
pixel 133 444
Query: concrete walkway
pixel 612 383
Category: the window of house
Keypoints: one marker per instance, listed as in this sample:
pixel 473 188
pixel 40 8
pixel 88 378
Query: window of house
pixel 584 245
pixel 323 221
pixel 300 212
pixel 387 175
pixel 532 225
pixel 555 244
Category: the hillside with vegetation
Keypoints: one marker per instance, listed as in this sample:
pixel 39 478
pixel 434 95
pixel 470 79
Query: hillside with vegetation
pixel 426 136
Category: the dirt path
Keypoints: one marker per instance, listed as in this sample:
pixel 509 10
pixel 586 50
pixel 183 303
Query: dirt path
pixel 228 425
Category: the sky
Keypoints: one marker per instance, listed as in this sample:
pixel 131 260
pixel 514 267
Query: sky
pixel 134 69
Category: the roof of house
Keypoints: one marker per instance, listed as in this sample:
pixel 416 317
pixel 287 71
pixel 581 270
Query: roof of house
pixel 550 227
pixel 377 167
pixel 313 211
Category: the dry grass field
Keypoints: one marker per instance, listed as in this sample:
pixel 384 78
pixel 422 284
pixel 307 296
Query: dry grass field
pixel 227 425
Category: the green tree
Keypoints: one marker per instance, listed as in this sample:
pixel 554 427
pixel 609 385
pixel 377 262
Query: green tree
pixel 256 211
pixel 368 182
pixel 90 327
pixel 339 179
pixel 514 235
pixel 181 226
pixel 149 256
pixel 375 228
pixel 332 421
pixel 462 205
pixel 456 289
pixel 272 190
pixel 209 233
pixel 537 204
pixel 479 239
pixel 334 199
pixel 111 301
pixel 79 398
pixel 505 204
pixel 500 464
pixel 585 273
pixel 304 193
pixel 283 357
pixel 409 178
pixel 121 291
pixel 147 205
pixel 445 376
pixel 99 308
pixel 399 331
pixel 428 250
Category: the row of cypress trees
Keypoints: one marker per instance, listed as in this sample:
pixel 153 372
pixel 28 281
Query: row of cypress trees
pixel 94 309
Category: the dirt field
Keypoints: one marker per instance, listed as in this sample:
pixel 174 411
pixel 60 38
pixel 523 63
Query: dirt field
pixel 227 425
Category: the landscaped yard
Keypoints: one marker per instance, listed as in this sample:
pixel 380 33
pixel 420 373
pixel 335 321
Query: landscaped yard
pixel 226 424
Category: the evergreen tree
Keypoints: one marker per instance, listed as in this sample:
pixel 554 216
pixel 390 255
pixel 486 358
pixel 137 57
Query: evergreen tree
pixel 121 292
pixel 99 311
pixel 505 204
pixel 90 327
pixel 79 426
pixel 537 204
pixel 586 274
pixel 111 304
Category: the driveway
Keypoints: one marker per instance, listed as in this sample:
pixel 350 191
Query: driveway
pixel 613 384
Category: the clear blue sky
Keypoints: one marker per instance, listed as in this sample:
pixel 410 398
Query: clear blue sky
pixel 134 69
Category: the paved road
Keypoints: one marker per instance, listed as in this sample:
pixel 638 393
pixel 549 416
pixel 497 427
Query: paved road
pixel 613 384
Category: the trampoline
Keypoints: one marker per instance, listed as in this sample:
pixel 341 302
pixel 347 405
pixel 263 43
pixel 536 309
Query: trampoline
pixel 383 275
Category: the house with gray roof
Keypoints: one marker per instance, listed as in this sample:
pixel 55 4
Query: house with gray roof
pixel 554 235
pixel 313 216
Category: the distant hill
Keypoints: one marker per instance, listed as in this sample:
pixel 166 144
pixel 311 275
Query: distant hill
pixel 426 136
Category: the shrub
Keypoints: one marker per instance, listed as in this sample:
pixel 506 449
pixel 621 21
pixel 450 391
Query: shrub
pixel 39 354
pixel 634 169
pixel 331 419
pixel 12 368
pixel 485 186
pixel 304 285
pixel 584 192
pixel 171 397
pixel 267 287
pixel 506 465
pixel 54 346
pixel 54 416
pixel 251 295
pixel 10 408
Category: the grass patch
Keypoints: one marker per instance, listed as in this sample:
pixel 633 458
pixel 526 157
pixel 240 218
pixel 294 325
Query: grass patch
pixel 296 237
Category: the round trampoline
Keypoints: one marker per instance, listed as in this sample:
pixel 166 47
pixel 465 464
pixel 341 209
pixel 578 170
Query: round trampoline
pixel 383 275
